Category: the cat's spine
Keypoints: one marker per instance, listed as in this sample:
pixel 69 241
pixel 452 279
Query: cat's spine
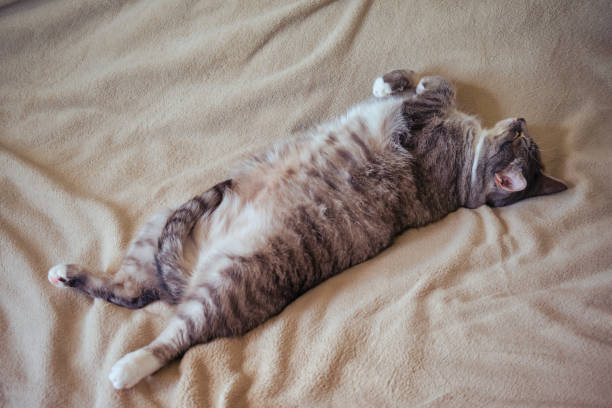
pixel 168 259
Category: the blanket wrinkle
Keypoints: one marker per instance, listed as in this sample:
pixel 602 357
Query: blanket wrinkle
pixel 111 111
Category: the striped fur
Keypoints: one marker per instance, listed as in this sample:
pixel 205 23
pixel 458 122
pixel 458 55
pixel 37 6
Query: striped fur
pixel 307 209
pixel 169 256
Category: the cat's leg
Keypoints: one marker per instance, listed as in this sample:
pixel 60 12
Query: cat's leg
pixel 135 366
pixel 435 96
pixel 153 266
pixel 191 325
pixel 394 82
pixel 437 90
pixel 134 285
pixel 225 304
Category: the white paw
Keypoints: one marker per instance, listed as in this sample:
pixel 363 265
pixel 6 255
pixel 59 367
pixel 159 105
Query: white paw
pixel 381 88
pixel 420 87
pixel 58 276
pixel 132 368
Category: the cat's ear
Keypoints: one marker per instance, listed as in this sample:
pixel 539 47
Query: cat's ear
pixel 511 179
pixel 549 185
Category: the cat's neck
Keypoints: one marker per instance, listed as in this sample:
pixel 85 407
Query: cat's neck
pixel 445 159
pixel 476 150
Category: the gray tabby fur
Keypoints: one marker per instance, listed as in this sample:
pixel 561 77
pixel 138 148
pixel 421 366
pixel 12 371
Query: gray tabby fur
pixel 307 209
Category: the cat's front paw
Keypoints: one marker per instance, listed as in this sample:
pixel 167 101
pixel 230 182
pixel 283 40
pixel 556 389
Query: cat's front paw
pixel 380 89
pixel 421 87
pixel 396 81
pixel 430 83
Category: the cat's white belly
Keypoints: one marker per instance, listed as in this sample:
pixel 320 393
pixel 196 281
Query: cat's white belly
pixel 236 228
pixel 250 214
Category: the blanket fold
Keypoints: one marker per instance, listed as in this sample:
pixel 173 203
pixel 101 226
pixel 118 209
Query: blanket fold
pixel 110 111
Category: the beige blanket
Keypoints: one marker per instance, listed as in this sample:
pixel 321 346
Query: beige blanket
pixel 110 110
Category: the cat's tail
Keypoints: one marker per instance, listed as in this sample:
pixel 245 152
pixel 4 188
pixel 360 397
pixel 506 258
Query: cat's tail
pixel 152 268
pixel 169 255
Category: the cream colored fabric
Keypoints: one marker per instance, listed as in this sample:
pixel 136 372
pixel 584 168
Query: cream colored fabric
pixel 111 110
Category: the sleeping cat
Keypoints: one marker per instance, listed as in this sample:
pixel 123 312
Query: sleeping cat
pixel 307 209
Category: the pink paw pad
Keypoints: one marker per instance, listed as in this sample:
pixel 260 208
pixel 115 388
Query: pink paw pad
pixel 57 276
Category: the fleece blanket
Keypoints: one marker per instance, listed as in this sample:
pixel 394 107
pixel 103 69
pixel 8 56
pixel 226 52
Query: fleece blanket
pixel 112 110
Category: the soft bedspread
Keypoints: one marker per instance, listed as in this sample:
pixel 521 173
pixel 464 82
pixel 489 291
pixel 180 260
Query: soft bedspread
pixel 111 110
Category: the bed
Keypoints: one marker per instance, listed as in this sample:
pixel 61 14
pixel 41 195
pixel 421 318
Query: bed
pixel 111 111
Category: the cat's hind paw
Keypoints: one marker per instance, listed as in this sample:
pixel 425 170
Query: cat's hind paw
pixel 58 276
pixel 133 367
pixel 64 275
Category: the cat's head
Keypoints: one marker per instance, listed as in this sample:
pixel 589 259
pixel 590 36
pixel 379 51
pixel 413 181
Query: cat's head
pixel 512 169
